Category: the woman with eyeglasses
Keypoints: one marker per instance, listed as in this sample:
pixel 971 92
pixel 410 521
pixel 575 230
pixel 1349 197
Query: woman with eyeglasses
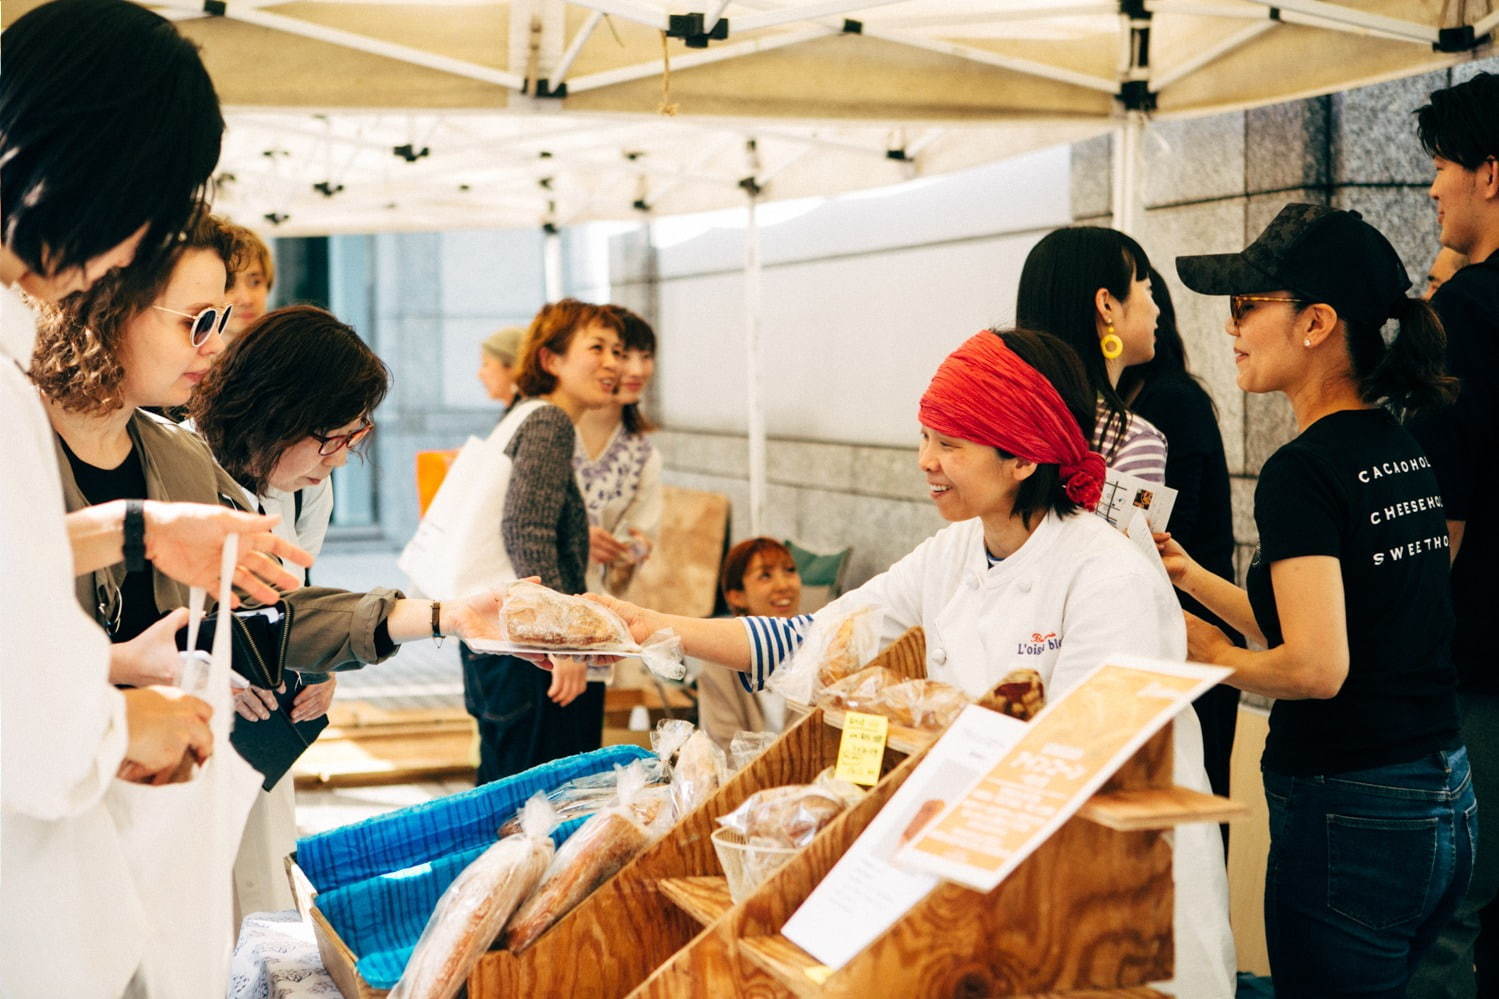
pixel 130 343
pixel 1372 813
pixel 109 128
pixel 279 424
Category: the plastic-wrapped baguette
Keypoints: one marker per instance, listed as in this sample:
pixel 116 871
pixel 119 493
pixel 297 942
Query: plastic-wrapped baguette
pixel 474 909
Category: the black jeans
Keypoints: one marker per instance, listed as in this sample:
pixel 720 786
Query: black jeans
pixel 519 727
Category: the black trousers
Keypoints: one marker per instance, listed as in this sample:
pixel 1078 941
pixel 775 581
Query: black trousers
pixel 519 727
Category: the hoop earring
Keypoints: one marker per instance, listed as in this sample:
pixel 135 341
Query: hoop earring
pixel 1110 344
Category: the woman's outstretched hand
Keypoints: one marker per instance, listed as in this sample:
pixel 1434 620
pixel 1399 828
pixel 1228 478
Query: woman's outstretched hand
pixel 642 623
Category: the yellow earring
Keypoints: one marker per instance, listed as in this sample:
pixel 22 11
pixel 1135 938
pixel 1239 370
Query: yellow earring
pixel 1110 344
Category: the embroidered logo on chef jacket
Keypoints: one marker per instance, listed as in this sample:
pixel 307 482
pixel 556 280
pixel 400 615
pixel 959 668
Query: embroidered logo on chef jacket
pixel 1039 644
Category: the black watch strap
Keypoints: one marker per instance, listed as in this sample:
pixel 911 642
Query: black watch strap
pixel 437 621
pixel 135 535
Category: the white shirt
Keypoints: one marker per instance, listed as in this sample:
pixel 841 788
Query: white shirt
pixel 70 919
pixel 1075 594
pixel 310 529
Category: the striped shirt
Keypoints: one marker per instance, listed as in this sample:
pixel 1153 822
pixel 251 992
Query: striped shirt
pixel 1141 448
pixel 772 641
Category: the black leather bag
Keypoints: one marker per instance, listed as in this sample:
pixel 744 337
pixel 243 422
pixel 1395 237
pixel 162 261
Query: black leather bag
pixel 258 653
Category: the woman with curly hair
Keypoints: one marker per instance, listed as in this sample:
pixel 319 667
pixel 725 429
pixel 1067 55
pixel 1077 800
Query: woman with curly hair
pixel 130 343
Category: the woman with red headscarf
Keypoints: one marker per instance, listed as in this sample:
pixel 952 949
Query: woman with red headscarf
pixel 1007 463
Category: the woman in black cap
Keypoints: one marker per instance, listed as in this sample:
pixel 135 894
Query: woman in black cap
pixel 1372 824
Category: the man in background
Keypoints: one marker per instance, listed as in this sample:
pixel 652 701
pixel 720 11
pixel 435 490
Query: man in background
pixel 1460 130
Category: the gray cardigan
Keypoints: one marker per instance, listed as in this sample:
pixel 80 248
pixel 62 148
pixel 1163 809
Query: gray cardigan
pixel 545 525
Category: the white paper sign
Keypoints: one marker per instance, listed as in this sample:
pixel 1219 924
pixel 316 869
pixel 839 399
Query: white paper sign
pixel 864 894
pixel 1124 493
pixel 1062 758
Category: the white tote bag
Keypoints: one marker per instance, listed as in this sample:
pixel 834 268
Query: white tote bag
pixel 457 548
pixel 180 841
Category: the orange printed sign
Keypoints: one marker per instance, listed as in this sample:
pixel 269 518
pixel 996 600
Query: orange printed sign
pixel 1065 755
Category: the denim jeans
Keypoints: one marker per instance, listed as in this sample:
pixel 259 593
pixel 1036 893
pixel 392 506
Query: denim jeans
pixel 1365 868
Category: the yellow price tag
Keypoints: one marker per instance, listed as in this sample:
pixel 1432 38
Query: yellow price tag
pixel 861 751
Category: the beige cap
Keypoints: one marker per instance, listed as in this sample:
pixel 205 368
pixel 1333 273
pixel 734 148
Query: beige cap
pixel 505 344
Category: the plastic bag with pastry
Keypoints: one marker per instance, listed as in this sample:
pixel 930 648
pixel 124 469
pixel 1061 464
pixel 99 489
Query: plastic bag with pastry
pixel 746 745
pixel 837 645
pixel 537 615
pixel 475 907
pixel 784 816
pixel 858 691
pixel 535 619
pixel 699 770
pixel 669 736
pixel 609 840
pixel 586 795
pixel 929 705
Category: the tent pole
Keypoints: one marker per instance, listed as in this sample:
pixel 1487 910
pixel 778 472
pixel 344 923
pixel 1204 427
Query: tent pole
pixel 551 262
pixel 753 357
pixel 1126 189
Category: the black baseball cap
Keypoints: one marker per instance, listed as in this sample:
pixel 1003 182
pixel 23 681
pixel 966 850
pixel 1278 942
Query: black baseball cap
pixel 1320 253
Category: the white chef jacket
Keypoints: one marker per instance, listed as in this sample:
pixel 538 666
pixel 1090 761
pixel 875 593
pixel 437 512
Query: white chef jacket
pixel 70 919
pixel 1075 594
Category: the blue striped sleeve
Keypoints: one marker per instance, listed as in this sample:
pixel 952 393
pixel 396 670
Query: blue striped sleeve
pixel 772 640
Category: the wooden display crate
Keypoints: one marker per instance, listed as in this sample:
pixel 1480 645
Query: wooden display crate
pixel 1089 914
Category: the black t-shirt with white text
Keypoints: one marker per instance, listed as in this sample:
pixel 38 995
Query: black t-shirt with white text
pixel 1357 487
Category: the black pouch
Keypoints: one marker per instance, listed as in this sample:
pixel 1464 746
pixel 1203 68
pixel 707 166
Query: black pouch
pixel 258 643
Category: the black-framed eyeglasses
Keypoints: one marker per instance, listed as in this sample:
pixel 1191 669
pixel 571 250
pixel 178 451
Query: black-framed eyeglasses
pixel 1238 305
pixel 332 445
pixel 205 324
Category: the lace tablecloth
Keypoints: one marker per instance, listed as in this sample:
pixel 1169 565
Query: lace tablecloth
pixel 277 958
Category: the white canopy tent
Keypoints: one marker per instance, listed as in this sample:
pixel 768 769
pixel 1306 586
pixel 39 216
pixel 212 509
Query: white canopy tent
pixel 377 115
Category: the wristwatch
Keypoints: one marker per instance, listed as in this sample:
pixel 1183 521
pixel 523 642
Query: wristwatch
pixel 135 535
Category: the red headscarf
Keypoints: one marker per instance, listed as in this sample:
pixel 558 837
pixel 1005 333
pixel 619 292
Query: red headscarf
pixel 985 393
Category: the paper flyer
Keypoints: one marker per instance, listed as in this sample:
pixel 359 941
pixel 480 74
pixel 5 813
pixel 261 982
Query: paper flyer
pixel 1064 755
pixel 1123 494
pixel 864 894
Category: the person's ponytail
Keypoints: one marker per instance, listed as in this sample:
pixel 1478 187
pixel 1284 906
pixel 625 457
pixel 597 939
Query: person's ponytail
pixel 1411 373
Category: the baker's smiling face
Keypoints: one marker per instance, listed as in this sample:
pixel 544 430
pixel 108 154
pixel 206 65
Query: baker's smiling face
pixel 966 479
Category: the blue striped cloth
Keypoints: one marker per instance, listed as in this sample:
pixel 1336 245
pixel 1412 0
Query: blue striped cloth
pixel 434 829
pixel 772 641
pixel 379 880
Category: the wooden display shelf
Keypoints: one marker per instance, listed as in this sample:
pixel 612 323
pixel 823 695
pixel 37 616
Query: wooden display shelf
pixel 1159 808
pixel 703 898
pixel 1091 909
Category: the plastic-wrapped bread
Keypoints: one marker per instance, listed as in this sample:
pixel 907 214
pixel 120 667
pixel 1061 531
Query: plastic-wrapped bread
pixel 859 691
pixel 475 907
pixel 840 641
pixel 605 843
pixel 784 816
pixel 588 794
pixel 698 772
pixel 535 615
pixel 924 704
pixel 748 745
